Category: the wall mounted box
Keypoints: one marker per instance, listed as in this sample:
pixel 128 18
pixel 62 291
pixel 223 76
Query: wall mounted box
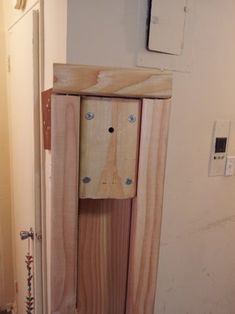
pixel 166 26
pixel 108 150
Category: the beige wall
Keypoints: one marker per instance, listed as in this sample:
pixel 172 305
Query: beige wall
pixel 197 258
pixel 6 271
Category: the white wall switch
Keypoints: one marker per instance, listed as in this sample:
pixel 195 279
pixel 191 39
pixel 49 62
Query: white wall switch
pixel 230 166
pixel 219 148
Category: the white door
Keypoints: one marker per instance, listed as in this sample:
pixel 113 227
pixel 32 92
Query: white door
pixel 25 157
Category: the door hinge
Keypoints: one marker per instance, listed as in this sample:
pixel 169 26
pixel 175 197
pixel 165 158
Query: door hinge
pixel 46 117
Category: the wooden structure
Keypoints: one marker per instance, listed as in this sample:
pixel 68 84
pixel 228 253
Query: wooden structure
pixel 109 140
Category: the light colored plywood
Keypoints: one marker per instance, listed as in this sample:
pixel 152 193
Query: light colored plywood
pixel 109 160
pixel 104 233
pixel 147 208
pixel 64 207
pixel 108 81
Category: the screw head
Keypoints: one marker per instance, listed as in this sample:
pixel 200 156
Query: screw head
pixel 132 118
pixel 89 115
pixel 129 181
pixel 86 180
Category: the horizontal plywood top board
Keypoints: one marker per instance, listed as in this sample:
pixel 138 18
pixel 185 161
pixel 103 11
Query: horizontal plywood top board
pixel 109 81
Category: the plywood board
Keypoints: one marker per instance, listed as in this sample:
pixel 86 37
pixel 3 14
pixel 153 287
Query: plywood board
pixel 147 208
pixel 108 81
pixel 104 234
pixel 64 207
pixel 109 147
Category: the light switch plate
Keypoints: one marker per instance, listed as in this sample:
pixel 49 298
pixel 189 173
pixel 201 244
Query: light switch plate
pixel 219 148
pixel 230 166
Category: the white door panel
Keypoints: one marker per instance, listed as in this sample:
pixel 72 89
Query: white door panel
pixel 23 139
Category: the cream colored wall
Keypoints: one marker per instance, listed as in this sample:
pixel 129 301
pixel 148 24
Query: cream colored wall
pixel 6 269
pixel 55 35
pixel 197 257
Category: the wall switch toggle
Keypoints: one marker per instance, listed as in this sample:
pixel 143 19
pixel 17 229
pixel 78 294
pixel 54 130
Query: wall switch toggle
pixel 230 166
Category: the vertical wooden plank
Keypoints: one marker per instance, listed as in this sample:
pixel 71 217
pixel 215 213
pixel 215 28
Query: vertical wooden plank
pixel 147 208
pixel 104 235
pixel 64 209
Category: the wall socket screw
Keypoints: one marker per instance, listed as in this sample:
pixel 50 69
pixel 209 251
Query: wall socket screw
pixel 86 180
pixel 132 118
pixel 89 115
pixel 128 181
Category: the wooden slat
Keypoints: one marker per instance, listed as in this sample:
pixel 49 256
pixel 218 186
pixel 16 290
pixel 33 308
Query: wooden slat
pixel 108 81
pixel 147 208
pixel 109 159
pixel 104 229
pixel 64 209
pixel 46 116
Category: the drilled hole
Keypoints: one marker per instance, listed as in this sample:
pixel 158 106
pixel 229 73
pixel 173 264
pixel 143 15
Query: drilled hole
pixel 111 130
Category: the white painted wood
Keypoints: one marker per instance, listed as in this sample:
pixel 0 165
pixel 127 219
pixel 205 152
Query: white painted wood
pixel 6 260
pixel 166 29
pixel 25 169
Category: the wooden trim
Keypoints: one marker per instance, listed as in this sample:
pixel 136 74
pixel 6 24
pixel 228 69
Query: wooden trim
pixel 147 208
pixel 108 81
pixel 37 166
pixel 64 209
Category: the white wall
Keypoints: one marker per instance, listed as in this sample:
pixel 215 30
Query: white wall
pixel 197 258
pixel 55 35
pixel 6 267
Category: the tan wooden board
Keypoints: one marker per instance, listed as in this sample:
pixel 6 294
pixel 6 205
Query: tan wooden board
pixel 108 81
pixel 109 147
pixel 104 234
pixel 64 207
pixel 147 208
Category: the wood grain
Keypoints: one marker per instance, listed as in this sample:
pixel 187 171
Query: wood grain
pixel 64 208
pixel 109 159
pixel 104 234
pixel 147 208
pixel 108 81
